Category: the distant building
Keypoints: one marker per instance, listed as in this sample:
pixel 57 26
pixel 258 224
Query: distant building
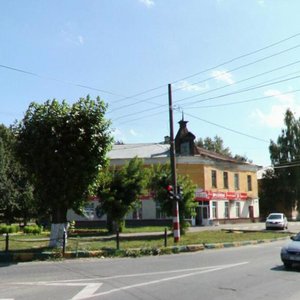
pixel 226 188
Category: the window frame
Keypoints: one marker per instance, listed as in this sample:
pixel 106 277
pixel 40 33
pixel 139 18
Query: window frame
pixel 225 180
pixel 214 178
pixel 236 181
pixel 249 182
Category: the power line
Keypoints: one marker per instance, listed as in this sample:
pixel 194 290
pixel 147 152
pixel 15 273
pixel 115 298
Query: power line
pixel 238 68
pixel 206 70
pixel 243 101
pixel 244 90
pixel 214 97
pixel 58 80
pixel 228 129
pixel 211 77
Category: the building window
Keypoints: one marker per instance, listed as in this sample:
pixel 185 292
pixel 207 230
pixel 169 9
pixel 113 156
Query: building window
pixel 214 178
pixel 214 206
pixel 226 210
pixel 238 209
pixel 249 182
pixel 185 149
pixel 225 180
pixel 236 181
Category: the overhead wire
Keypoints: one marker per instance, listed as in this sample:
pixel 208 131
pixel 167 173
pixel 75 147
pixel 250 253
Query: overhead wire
pixel 210 68
pixel 227 128
pixel 257 86
pixel 210 78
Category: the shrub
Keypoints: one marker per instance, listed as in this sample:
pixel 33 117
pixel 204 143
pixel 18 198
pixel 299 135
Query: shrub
pixel 9 228
pixel 33 229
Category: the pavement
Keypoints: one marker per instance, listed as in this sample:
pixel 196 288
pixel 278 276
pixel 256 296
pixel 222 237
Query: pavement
pixel 15 257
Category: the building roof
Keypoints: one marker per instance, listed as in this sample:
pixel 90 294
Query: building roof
pixel 160 150
pixel 141 150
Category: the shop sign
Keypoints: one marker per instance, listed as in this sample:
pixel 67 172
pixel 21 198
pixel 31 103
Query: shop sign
pixel 202 195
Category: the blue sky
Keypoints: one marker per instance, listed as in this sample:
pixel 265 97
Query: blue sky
pixel 233 64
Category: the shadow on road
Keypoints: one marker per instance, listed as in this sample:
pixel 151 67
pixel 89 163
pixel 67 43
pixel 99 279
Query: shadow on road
pixel 295 268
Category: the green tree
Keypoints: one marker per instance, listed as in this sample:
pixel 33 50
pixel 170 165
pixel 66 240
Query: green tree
pixel 63 146
pixel 217 145
pixel 16 192
pixel 119 190
pixel 160 178
pixel 285 155
pixel 273 195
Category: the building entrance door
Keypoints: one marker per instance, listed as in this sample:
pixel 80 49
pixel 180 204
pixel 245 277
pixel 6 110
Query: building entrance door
pixel 202 217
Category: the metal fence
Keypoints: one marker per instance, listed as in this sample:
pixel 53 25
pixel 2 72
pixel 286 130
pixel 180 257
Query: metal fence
pixel 10 243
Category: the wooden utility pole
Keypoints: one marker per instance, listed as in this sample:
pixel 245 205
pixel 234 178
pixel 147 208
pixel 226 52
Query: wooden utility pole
pixel 176 224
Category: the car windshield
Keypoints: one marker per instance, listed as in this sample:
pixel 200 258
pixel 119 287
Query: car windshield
pixel 296 237
pixel 274 217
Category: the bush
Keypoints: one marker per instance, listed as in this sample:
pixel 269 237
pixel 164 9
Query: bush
pixel 33 229
pixel 9 228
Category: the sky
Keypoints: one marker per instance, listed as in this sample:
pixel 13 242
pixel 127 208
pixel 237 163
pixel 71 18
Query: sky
pixel 233 66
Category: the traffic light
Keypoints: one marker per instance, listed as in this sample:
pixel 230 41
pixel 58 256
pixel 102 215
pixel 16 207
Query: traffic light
pixel 179 195
pixel 170 192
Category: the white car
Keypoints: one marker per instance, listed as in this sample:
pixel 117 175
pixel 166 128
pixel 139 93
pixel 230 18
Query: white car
pixel 291 252
pixel 276 220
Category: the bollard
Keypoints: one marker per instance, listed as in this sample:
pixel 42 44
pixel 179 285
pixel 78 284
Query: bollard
pixel 118 239
pixel 166 237
pixel 6 242
pixel 64 244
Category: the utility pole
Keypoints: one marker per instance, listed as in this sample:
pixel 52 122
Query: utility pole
pixel 176 224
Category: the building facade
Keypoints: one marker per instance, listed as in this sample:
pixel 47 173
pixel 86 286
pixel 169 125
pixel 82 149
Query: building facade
pixel 226 190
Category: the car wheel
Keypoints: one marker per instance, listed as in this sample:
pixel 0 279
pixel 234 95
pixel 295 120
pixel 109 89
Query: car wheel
pixel 287 264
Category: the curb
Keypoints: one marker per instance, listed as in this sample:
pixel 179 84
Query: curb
pixel 30 256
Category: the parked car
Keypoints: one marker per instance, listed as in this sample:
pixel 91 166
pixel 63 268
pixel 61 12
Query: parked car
pixel 276 220
pixel 291 252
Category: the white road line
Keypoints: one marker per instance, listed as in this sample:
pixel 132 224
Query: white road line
pixel 89 289
pixel 133 275
pixel 164 280
pixel 87 292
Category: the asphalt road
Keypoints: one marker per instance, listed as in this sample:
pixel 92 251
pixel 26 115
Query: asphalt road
pixel 248 272
pixel 293 227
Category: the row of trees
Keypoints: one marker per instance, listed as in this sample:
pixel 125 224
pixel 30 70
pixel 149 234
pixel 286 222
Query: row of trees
pixel 56 157
pixel 280 185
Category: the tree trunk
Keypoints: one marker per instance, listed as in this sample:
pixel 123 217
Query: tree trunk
pixel 59 227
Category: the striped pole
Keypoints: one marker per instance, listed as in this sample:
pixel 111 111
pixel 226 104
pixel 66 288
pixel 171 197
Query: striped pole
pixel 176 224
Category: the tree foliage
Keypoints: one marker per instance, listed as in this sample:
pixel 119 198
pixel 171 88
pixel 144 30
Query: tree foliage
pixel 217 145
pixel 16 192
pixel 273 195
pixel 160 178
pixel 63 146
pixel 285 156
pixel 119 190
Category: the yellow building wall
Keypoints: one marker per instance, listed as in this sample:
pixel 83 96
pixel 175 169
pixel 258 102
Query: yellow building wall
pixel 201 176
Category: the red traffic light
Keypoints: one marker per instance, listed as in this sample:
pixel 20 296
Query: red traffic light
pixel 169 188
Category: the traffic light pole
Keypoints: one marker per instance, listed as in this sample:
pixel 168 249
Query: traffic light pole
pixel 176 224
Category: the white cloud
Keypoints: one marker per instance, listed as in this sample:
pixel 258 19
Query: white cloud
pixel 133 132
pixel 189 87
pixel 69 35
pixel 148 3
pixel 223 75
pixel 261 2
pixel 274 117
pixel 80 39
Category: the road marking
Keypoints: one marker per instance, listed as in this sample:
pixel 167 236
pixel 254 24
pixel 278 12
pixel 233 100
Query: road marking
pixel 136 274
pixel 167 279
pixel 86 293
pixel 89 290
